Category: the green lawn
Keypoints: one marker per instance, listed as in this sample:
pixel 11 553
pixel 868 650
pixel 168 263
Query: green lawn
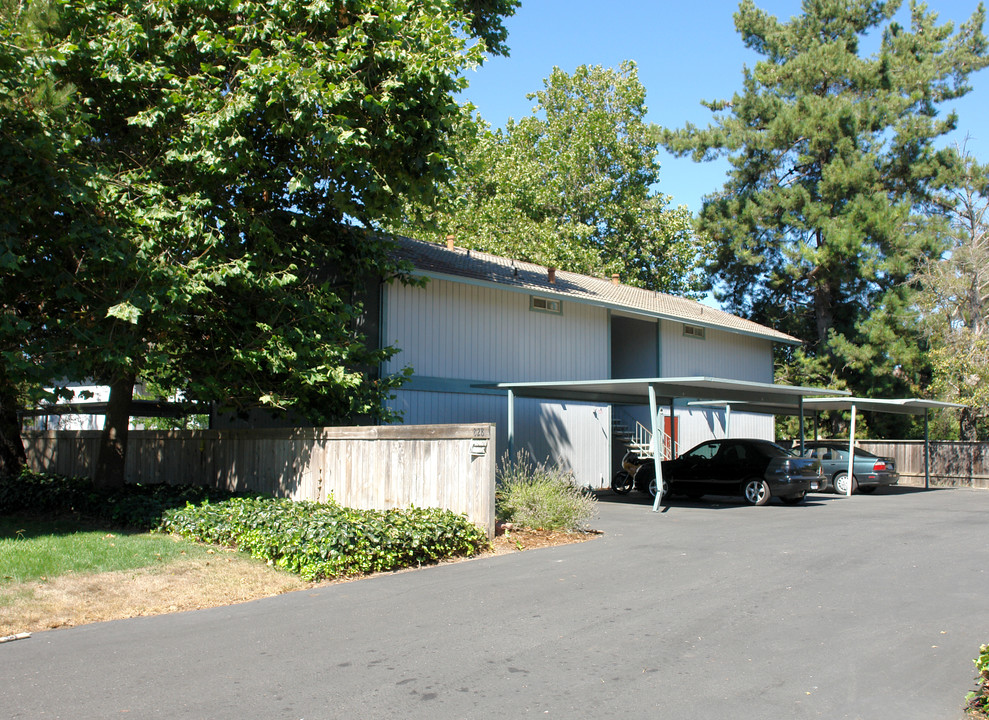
pixel 35 549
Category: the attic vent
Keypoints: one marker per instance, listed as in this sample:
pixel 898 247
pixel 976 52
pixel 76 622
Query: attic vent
pixel 693 331
pixel 545 305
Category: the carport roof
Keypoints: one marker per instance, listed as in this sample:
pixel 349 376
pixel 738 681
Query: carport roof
pixel 904 406
pixel 635 391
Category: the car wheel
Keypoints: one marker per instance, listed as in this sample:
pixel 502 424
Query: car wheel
pixel 653 486
pixel 756 491
pixel 794 499
pixel 841 483
pixel 622 483
pixel 867 489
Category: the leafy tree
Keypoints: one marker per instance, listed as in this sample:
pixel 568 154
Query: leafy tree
pixel 570 186
pixel 834 172
pixel 954 301
pixel 230 164
pixel 44 206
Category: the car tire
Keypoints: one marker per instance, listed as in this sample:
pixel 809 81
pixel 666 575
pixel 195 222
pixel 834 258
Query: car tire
pixel 756 491
pixel 653 486
pixel 840 484
pixel 622 483
pixel 794 499
pixel 867 489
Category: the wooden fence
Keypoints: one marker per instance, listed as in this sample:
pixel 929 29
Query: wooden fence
pixel 374 467
pixel 952 464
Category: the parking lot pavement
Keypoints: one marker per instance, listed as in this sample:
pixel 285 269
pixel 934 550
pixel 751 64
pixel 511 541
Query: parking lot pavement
pixel 864 607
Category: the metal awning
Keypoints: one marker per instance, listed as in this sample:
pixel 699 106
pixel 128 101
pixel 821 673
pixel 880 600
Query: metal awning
pixel 811 405
pixel 635 391
pixel 653 391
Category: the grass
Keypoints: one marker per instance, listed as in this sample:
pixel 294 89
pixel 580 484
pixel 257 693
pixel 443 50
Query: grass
pixel 36 549
pixel 64 572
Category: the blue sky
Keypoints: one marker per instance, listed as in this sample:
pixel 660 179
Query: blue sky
pixel 685 51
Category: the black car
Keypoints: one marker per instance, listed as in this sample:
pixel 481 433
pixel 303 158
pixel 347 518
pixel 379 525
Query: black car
pixel 755 469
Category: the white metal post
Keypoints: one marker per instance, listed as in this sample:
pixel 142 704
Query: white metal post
pixel 727 420
pixel 851 454
pixel 800 411
pixel 927 449
pixel 657 446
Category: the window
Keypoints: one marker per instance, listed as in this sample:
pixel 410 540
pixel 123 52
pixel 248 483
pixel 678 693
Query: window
pixel 693 331
pixel 545 305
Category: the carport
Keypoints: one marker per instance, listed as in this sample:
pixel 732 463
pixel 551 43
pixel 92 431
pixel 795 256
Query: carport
pixel 816 405
pixel 663 391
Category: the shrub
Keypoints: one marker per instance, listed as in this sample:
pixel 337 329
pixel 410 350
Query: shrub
pixel 138 506
pixel 321 540
pixel 533 495
pixel 978 700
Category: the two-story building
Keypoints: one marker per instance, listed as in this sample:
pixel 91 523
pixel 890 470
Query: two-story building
pixel 483 319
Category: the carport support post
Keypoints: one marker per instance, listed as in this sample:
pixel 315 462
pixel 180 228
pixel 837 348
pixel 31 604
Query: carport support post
pixel 851 453
pixel 800 410
pixel 657 446
pixel 511 426
pixel 727 420
pixel 927 449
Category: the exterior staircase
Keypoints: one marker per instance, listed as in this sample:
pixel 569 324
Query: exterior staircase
pixel 635 436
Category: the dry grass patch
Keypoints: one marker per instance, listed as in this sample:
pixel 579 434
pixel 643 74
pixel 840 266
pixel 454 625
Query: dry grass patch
pixel 187 584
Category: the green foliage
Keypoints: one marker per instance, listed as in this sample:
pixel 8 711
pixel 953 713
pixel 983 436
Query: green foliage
pixel 189 190
pixel 134 506
pixel 832 198
pixel 322 540
pixel 570 186
pixel 978 700
pixel 534 496
pixel 953 298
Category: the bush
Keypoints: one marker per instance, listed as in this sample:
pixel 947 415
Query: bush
pixel 978 700
pixel 321 540
pixel 137 506
pixel 534 496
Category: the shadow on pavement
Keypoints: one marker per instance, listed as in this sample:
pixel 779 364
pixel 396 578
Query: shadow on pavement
pixel 716 502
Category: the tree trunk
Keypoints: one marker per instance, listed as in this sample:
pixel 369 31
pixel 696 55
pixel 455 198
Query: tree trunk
pixel 12 457
pixel 823 314
pixel 113 443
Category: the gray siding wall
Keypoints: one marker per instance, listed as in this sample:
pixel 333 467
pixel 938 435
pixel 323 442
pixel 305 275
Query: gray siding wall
pixel 719 354
pixel 456 330
pixel 453 334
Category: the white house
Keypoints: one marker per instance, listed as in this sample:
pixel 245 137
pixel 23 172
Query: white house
pixel 483 319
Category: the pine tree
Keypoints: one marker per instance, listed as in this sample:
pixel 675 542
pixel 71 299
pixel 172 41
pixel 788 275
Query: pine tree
pixel 834 170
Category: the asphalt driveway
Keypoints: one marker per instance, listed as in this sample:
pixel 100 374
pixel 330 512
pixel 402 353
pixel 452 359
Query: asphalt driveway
pixel 866 607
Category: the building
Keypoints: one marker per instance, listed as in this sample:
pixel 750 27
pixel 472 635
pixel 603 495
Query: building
pixel 483 319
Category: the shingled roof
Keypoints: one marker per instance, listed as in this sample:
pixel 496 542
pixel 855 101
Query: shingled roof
pixel 435 260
